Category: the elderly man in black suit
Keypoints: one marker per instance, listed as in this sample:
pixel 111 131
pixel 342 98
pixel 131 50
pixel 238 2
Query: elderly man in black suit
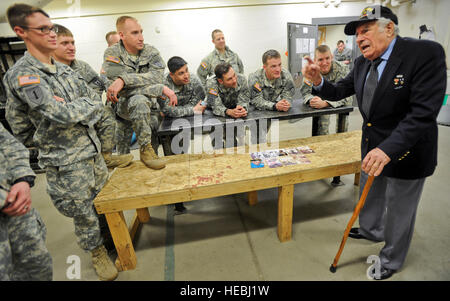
pixel 400 85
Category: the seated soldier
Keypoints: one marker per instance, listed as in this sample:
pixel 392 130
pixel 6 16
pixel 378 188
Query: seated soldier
pixel 137 71
pixel 271 87
pixel 227 95
pixel 190 95
pixel 189 92
pixel 106 127
pixel 333 71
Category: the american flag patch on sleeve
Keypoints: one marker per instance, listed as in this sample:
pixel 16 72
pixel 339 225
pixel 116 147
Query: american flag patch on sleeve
pixel 213 92
pixel 29 79
pixel 113 59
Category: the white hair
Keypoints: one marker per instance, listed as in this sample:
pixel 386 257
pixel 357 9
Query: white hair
pixel 383 22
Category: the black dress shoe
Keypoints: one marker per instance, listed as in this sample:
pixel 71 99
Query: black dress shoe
pixel 384 273
pixel 354 233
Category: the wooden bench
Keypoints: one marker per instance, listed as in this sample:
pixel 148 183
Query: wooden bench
pixel 191 177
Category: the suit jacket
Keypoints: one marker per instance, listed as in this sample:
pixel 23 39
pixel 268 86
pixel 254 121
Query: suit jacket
pixel 402 117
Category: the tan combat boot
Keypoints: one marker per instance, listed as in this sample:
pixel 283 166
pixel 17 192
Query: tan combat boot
pixel 150 159
pixel 113 161
pixel 104 267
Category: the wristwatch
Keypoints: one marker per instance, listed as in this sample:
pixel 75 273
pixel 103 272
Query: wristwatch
pixel 28 179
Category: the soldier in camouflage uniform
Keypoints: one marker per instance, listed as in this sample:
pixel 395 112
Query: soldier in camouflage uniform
pixel 272 87
pixel 221 54
pixel 189 92
pixel 342 54
pixel 228 96
pixel 137 71
pixel 23 254
pixel 63 109
pixel 190 96
pixel 333 71
pixel 106 127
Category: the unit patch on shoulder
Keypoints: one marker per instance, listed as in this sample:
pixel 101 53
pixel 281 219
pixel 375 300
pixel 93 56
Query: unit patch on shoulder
pixel 35 95
pixel 257 87
pixel 29 79
pixel 113 59
pixel 213 92
pixel 204 65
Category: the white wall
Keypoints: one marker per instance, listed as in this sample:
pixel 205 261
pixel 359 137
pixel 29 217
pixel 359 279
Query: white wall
pixel 250 26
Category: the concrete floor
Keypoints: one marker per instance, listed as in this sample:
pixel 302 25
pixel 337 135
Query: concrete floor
pixel 225 239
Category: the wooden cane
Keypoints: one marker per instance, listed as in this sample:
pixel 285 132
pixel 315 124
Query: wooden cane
pixel 358 208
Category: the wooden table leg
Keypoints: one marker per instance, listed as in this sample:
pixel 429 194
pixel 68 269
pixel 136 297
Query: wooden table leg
pixel 143 215
pixel 252 198
pixel 285 208
pixel 122 241
pixel 357 176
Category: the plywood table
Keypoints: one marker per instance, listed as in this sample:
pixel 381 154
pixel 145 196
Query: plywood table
pixel 190 177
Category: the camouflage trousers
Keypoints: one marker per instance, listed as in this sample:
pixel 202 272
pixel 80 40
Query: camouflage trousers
pixel 72 189
pixel 324 124
pixel 136 115
pixel 106 129
pixel 23 254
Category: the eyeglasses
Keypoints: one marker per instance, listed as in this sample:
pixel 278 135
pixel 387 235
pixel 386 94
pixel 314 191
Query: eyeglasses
pixel 44 30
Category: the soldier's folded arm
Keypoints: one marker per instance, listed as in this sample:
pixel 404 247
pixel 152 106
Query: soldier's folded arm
pixel 217 106
pixel 40 98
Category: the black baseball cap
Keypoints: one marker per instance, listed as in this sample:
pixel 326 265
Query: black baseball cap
pixel 369 14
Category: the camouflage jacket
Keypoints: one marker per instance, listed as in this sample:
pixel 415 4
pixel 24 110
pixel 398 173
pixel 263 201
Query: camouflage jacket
pixel 64 130
pixel 264 95
pixel 210 62
pixel 338 71
pixel 345 55
pixel 90 76
pixel 144 76
pixel 220 98
pixel 14 162
pixel 187 95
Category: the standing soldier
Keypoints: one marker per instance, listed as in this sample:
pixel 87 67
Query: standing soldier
pixel 221 54
pixel 106 127
pixel 333 71
pixel 64 110
pixel 23 254
pixel 137 72
pixel 227 95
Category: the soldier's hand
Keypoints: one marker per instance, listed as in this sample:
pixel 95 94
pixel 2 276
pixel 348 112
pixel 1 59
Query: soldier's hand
pixel 58 99
pixel 311 72
pixel 283 105
pixel 173 101
pixel 318 103
pixel 199 109
pixel 374 162
pixel 114 89
pixel 19 198
pixel 240 111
